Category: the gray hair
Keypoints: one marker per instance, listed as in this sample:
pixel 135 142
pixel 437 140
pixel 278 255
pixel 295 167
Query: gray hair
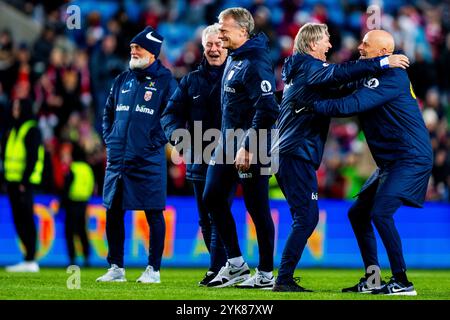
pixel 309 33
pixel 242 16
pixel 211 29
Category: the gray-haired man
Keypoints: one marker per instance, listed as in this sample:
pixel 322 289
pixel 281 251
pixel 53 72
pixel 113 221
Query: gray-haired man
pixel 197 100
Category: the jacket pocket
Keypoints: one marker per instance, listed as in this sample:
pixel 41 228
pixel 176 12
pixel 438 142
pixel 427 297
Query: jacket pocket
pixel 109 132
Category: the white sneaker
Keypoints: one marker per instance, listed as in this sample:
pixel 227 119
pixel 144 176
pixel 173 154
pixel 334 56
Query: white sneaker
pixel 25 266
pixel 258 281
pixel 229 275
pixel 114 274
pixel 149 276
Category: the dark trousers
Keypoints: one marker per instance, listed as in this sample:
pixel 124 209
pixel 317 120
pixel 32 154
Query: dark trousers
pixel 115 232
pixel 218 256
pixel 221 181
pixel 76 225
pixel 298 182
pixel 23 217
pixel 380 210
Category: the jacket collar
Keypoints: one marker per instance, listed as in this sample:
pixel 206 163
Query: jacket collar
pixel 154 70
pixel 211 72
pixel 258 42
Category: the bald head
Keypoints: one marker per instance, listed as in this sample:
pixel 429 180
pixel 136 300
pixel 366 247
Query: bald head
pixel 376 43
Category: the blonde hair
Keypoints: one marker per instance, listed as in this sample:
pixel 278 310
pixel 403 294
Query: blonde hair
pixel 211 29
pixel 309 33
pixel 242 16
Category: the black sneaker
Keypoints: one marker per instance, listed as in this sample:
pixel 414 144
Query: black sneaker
pixel 207 278
pixel 363 287
pixel 396 288
pixel 291 286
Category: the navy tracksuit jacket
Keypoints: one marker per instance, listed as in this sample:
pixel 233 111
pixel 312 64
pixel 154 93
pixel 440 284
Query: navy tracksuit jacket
pixel 302 139
pixel 248 101
pixel 399 141
pixel 136 172
pixel 197 98
pixel 134 138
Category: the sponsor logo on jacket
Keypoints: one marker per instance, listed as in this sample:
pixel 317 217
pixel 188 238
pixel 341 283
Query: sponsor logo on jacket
pixel 372 83
pixel 150 86
pixel 229 89
pixel 121 107
pixel 144 109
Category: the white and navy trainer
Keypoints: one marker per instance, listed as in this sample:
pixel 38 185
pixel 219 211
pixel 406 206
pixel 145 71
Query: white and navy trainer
pixel 257 281
pixel 230 275
pixel 396 288
pixel 363 287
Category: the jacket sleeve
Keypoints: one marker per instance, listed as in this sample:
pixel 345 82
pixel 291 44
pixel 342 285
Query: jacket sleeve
pixel 32 143
pixel 259 81
pixel 108 112
pixel 374 93
pixel 175 114
pixel 171 87
pixel 320 73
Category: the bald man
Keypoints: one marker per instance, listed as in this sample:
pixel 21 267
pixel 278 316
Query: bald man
pixel 399 142
pixel 376 43
pixel 308 77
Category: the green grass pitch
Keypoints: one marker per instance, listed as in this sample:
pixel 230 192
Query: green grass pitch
pixel 181 284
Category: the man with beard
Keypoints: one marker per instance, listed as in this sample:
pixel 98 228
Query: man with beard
pixel 135 176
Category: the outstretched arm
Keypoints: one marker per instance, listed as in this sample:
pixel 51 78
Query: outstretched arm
pixel 320 73
pixel 375 93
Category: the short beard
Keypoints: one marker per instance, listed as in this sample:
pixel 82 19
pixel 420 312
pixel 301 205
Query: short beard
pixel 139 63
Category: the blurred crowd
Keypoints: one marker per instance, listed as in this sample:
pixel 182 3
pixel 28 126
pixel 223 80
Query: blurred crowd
pixel 67 73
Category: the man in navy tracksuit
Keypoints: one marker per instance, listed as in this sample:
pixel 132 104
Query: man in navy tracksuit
pixel 399 141
pixel 248 102
pixel 135 176
pixel 196 102
pixel 302 137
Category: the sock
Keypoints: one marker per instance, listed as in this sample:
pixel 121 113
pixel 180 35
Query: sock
pixel 237 261
pixel 267 274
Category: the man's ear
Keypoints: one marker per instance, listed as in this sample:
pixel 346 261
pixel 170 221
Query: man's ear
pixel 152 57
pixel 244 33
